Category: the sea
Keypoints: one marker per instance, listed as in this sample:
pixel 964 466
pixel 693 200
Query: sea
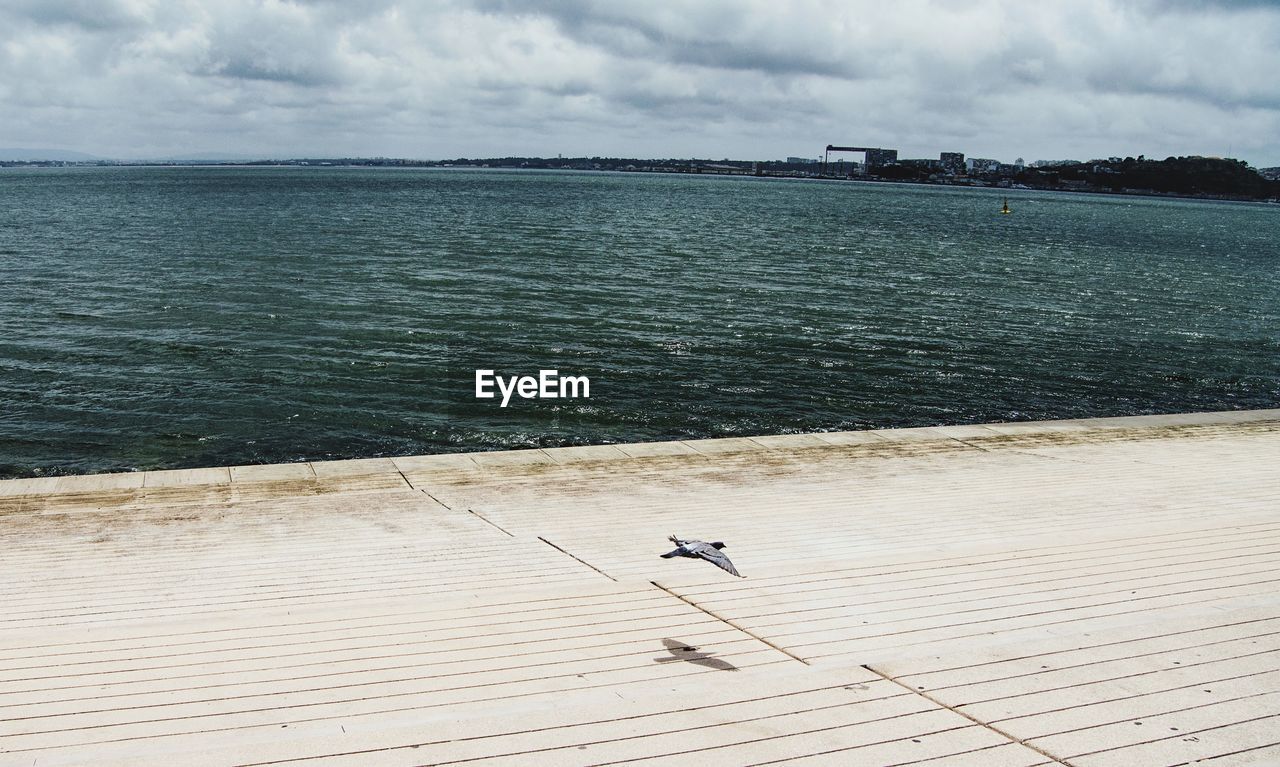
pixel 168 317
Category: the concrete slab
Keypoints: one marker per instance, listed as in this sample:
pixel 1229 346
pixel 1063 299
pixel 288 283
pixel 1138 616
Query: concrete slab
pixel 1241 416
pixel 98 482
pixel 725 445
pixel 796 715
pixel 789 441
pixel 850 437
pixel 921 434
pixel 354 468
pixel 17 487
pixel 1039 427
pixel 169 478
pixel 585 453
pixel 201 679
pixel 501 458
pixel 1162 692
pixel 272 472
pixel 442 462
pixel 650 449
pixel 76 483
pixel 1105 593
pixel 871 502
pixel 966 431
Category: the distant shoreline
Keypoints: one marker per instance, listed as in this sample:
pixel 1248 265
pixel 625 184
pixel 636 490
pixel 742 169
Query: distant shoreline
pixel 663 170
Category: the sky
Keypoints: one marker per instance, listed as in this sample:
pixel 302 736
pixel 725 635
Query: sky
pixel 742 79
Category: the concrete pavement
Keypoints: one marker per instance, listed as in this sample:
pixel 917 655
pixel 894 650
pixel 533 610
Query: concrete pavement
pixel 1094 592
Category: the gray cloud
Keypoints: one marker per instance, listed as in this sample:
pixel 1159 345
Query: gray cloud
pixel 747 78
pixel 713 35
pixel 1201 6
pixel 106 15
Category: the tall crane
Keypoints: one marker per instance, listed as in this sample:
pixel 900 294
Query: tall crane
pixel 826 157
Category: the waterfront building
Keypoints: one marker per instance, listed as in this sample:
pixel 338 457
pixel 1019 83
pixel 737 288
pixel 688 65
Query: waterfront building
pixel 952 162
pixel 922 164
pixel 877 158
pixel 982 165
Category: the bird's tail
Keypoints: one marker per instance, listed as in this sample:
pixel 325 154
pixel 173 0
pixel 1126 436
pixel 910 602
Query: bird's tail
pixel 668 555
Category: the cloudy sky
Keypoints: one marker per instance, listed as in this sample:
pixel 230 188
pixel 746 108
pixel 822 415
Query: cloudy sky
pixel 749 79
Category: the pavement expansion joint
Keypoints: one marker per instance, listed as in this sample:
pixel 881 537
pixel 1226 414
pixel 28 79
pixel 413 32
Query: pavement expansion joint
pixel 574 558
pixel 973 445
pixel 490 522
pixel 975 720
pixel 437 500
pixel 728 622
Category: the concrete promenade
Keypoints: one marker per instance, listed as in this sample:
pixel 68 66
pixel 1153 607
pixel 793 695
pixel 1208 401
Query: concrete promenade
pixel 1094 593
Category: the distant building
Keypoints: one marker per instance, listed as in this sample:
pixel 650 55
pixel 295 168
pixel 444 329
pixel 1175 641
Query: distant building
pixel 878 158
pixel 982 165
pixel 952 162
pixel 801 161
pixel 921 164
pixel 1053 163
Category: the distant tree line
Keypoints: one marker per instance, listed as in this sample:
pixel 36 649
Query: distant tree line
pixel 1187 176
pixel 1172 175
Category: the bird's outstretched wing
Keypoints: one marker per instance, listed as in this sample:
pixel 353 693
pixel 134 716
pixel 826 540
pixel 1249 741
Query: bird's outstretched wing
pixel 717 558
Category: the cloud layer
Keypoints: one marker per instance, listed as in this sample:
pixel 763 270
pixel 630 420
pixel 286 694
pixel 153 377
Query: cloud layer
pixel 743 79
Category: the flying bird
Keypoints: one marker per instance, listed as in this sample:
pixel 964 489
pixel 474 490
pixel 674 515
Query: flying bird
pixel 702 550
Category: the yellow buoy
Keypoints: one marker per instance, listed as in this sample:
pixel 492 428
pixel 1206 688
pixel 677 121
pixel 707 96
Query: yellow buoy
pixel 1005 209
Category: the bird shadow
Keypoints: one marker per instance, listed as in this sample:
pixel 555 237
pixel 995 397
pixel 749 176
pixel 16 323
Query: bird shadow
pixel 681 652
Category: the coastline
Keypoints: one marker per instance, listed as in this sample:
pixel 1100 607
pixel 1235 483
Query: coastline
pixel 427 166
pixel 390 466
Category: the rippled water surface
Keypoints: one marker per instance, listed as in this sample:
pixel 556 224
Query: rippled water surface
pixel 157 317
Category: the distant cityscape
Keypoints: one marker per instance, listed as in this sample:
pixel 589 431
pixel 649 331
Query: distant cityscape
pixel 1191 176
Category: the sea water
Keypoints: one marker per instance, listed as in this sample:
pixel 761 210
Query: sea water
pixel 175 317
